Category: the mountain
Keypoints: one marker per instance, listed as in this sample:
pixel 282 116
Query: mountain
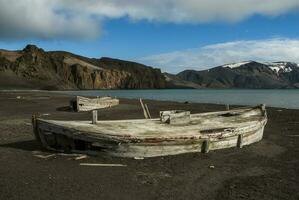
pixel 175 82
pixel 249 74
pixel 34 68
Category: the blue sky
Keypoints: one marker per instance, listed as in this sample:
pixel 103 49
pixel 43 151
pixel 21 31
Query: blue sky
pixel 161 40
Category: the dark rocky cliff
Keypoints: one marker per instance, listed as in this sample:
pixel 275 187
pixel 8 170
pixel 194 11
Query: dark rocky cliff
pixel 33 68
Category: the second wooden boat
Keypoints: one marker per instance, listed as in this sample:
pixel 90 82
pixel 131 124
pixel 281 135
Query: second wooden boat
pixel 87 104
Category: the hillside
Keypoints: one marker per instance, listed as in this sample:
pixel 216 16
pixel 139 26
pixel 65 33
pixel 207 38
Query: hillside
pixel 175 82
pixel 250 74
pixel 34 68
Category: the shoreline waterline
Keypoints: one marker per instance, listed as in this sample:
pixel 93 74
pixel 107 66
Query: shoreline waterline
pixel 280 98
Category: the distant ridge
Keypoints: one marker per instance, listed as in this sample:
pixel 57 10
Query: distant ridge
pixel 247 74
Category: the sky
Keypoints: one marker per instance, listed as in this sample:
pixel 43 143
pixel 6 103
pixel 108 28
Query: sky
pixel 173 35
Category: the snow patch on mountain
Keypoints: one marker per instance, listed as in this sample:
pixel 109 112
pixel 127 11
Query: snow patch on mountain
pixel 277 67
pixel 235 65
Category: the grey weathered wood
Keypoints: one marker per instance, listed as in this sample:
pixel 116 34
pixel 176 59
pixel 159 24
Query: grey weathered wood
pixel 144 109
pixel 227 107
pixel 240 141
pixel 147 111
pixel 94 116
pixel 205 148
pixel 149 137
pixel 36 131
pixel 88 104
pixel 34 126
pixel 44 156
pixel 175 117
pixel 263 108
pixel 102 165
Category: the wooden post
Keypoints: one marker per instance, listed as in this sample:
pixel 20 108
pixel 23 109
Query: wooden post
pixel 147 111
pixel 94 116
pixel 240 141
pixel 144 110
pixel 34 126
pixel 35 129
pixel 227 106
pixel 33 118
pixel 205 147
pixel 263 108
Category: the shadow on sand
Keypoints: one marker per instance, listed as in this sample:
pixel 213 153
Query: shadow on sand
pixel 65 109
pixel 29 145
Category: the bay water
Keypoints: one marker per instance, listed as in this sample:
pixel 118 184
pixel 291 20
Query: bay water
pixel 285 98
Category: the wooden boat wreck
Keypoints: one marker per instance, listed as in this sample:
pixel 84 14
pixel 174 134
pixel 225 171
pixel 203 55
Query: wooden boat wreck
pixel 175 132
pixel 87 104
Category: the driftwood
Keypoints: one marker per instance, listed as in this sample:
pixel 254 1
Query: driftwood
pixel 81 157
pixel 102 165
pixel 155 137
pixel 88 104
pixel 76 156
pixel 45 156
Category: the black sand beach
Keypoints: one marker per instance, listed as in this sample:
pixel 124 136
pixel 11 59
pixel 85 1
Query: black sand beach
pixel 265 170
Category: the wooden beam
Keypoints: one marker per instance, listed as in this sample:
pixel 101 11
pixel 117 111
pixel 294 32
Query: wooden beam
pixel 147 111
pixel 292 135
pixel 227 106
pixel 94 116
pixel 102 165
pixel 205 147
pixel 45 156
pixel 240 141
pixel 35 131
pixel 144 109
pixel 263 107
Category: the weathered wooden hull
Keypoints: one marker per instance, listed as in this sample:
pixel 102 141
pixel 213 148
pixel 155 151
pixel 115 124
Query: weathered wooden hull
pixel 206 131
pixel 87 104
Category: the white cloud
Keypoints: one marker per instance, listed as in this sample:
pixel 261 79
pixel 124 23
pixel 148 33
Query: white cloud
pixel 190 11
pixel 80 19
pixel 230 52
pixel 43 19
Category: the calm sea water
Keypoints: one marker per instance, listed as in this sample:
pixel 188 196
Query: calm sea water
pixel 276 98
